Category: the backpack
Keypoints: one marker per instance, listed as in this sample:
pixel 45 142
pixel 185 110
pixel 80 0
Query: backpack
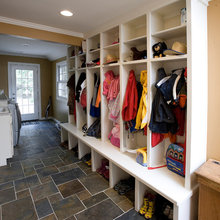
pixel 95 129
pixel 175 157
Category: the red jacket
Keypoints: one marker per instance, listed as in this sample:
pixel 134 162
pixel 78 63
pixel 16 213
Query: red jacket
pixel 129 109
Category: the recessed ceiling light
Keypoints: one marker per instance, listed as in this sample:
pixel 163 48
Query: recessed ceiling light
pixel 66 13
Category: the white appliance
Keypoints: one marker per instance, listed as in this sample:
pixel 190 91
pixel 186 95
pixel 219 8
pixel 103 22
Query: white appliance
pixel 6 133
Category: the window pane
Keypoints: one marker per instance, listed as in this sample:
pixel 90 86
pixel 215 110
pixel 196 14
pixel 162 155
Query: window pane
pixel 18 73
pixel 30 74
pixel 24 73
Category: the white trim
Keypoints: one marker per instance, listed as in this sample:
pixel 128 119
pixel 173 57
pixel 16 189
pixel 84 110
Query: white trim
pixel 10 64
pixel 205 2
pixel 40 26
pixel 64 62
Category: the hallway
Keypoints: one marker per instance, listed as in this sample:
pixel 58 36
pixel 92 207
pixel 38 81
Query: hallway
pixel 45 181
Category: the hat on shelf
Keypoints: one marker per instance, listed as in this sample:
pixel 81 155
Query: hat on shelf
pixel 178 48
pixel 110 59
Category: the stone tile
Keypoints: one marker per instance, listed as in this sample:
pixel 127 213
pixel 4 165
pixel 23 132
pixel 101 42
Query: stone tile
pixel 51 160
pixel 67 207
pixel 29 171
pixel 131 215
pixel 7 195
pixel 44 190
pixel 67 176
pixel 23 194
pixel 26 182
pixel 6 185
pixel 94 183
pixel 125 205
pixel 114 196
pixel 105 210
pixel 55 198
pixel 38 166
pixel 88 171
pixel 71 218
pixel 82 166
pixel 43 207
pixel 94 199
pixel 10 173
pixel 0 213
pixel 49 217
pixel 83 195
pixel 69 157
pixel 67 167
pixel 45 179
pixel 60 164
pixel 22 209
pixel 30 162
pixel 71 188
pixel 32 181
pixel 46 171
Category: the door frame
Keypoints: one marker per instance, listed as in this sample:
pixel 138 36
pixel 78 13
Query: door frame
pixel 10 65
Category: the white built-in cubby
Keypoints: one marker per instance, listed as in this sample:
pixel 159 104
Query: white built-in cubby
pixel 161 23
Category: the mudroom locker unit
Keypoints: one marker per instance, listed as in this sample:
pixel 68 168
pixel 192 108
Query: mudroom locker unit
pixel 142 30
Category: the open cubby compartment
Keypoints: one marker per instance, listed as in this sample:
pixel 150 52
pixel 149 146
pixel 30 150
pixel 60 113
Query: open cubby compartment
pixel 117 174
pixel 64 135
pixel 140 43
pixel 83 149
pixel 168 17
pixel 110 51
pixel 81 117
pixel 80 60
pixel 72 141
pixel 157 154
pixel 72 52
pixel 96 160
pixel 169 42
pixel 106 123
pixel 134 29
pixel 90 89
pixel 93 44
pixel 131 141
pixel 110 37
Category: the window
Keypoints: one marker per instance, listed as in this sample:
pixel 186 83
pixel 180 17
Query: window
pixel 62 78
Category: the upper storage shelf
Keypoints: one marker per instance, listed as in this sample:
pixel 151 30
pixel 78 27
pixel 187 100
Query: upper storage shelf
pixel 111 37
pixel 135 28
pixel 170 20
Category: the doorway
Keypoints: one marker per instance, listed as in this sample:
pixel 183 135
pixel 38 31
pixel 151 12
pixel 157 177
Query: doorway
pixel 24 88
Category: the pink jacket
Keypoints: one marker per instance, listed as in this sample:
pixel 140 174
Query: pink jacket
pixel 106 84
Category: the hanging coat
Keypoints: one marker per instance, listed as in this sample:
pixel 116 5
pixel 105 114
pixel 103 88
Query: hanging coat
pixel 141 119
pixel 129 109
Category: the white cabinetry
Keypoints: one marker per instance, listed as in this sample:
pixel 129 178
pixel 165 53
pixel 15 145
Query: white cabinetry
pixel 157 24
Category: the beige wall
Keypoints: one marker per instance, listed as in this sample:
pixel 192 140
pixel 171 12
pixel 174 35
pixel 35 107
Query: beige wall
pixel 60 109
pixel 213 148
pixel 45 76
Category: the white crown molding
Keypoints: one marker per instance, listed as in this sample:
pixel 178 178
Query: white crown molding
pixel 40 27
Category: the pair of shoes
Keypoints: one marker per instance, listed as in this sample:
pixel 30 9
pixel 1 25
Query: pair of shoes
pixel 168 211
pixel 64 144
pixel 89 163
pixel 145 205
pixel 104 169
pixel 151 206
pixel 125 186
pixel 147 209
pixel 86 158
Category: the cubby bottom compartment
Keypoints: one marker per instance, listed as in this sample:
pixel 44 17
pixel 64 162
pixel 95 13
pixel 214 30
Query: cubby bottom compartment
pixel 100 165
pixel 150 204
pixel 123 187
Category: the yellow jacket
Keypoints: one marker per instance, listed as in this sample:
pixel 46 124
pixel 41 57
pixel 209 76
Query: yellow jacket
pixel 141 119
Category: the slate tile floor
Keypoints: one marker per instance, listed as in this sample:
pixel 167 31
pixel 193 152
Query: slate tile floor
pixel 44 181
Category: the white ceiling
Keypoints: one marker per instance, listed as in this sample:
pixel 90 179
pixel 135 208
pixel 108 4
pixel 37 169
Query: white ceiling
pixel 30 47
pixel 89 14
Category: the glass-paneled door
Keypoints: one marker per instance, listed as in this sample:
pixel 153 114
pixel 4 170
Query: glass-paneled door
pixel 24 89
